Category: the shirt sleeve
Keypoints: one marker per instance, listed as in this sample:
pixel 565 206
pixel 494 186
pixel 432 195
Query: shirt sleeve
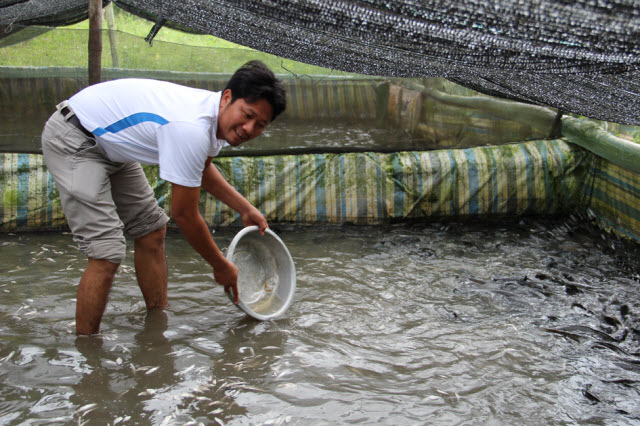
pixel 182 152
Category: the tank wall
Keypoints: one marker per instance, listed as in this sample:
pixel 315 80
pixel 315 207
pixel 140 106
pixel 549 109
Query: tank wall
pixel 28 97
pixel 505 178
pixel 531 178
pixel 441 114
pixel 613 198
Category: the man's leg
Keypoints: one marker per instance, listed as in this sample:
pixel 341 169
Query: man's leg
pixel 151 268
pixel 93 293
pixel 81 173
pixel 145 222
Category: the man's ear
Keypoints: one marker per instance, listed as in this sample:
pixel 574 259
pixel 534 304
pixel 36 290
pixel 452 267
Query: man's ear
pixel 225 99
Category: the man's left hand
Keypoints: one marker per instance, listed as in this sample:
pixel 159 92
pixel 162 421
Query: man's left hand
pixel 253 217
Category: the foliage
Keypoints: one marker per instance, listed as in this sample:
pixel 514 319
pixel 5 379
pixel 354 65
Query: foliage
pixel 171 50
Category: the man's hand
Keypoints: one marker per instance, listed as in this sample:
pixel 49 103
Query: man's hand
pixel 184 210
pixel 252 216
pixel 227 276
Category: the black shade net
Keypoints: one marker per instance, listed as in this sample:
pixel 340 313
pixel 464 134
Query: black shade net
pixel 581 57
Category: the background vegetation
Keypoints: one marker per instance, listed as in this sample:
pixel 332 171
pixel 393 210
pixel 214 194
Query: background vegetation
pixel 171 50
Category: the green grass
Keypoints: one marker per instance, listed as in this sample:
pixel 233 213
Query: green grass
pixel 133 25
pixel 171 50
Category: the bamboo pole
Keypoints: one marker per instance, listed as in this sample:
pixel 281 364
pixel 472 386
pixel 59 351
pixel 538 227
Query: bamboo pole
pixel 591 136
pixel 540 118
pixel 113 39
pixel 95 41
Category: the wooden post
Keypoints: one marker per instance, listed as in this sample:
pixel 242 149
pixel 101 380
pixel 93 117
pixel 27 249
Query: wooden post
pixel 95 41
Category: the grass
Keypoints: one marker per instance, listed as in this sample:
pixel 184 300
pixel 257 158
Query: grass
pixel 171 50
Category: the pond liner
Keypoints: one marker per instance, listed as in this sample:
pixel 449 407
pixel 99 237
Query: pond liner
pixel 531 178
pixel 465 156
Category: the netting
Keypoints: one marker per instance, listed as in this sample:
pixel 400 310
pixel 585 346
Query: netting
pixel 581 57
pixel 325 113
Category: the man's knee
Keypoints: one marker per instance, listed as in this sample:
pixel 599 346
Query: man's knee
pixel 152 241
pixel 103 268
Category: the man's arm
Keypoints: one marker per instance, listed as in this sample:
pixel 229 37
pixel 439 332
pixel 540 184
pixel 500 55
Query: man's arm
pixel 215 184
pixel 184 210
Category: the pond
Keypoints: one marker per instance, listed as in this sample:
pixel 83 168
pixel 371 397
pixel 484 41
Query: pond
pixel 21 133
pixel 321 136
pixel 525 322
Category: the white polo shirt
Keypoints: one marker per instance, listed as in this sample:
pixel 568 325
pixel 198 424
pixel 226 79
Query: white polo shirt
pixel 153 122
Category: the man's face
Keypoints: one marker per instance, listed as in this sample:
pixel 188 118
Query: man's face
pixel 240 121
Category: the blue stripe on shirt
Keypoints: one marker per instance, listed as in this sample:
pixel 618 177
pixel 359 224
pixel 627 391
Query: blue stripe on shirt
pixel 129 121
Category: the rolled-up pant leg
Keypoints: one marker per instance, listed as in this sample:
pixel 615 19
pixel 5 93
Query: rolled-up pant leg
pixel 136 204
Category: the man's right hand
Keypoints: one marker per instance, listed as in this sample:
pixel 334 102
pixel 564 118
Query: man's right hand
pixel 227 276
pixel 184 210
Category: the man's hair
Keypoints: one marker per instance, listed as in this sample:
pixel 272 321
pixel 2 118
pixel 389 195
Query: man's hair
pixel 254 81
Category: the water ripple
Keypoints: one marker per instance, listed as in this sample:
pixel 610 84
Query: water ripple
pixel 522 323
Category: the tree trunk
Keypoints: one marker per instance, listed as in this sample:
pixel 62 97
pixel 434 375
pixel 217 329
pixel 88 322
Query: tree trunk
pixel 95 41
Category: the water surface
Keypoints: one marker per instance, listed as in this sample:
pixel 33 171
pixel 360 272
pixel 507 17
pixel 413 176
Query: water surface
pixel 530 322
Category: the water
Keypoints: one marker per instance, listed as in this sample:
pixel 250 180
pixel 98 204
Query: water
pixel 258 271
pixel 22 133
pixel 288 136
pixel 533 322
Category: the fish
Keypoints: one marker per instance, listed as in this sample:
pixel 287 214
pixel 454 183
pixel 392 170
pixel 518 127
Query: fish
pixel 8 357
pixel 282 373
pixel 86 408
pixel 167 420
pixel 590 396
pixel 121 394
pixel 251 388
pixel 577 332
pixel 185 371
pixel 122 348
pixel 144 368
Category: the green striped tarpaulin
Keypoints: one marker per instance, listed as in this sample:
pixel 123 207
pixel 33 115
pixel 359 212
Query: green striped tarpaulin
pixel 614 198
pixel 540 177
pixel 527 178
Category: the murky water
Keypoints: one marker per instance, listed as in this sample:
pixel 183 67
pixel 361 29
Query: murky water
pixel 287 136
pixel 533 322
pixel 284 136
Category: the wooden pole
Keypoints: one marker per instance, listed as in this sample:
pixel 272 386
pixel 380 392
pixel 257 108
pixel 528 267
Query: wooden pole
pixel 113 39
pixel 95 41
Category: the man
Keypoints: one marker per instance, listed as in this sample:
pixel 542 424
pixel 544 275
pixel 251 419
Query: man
pixel 94 144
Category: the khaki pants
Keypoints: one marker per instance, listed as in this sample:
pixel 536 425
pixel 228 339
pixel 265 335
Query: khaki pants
pixel 101 200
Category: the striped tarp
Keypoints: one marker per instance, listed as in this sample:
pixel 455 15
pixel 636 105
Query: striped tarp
pixel 30 200
pixel 511 180
pixel 331 98
pixel 614 198
pixel 540 177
